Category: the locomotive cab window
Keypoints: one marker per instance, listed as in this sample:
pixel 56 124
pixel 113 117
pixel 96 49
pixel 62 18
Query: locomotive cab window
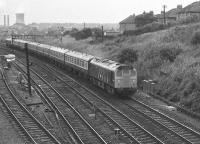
pixel 126 72
pixel 119 73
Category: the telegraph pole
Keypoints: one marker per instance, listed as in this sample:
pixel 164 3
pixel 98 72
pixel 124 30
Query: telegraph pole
pixel 102 34
pixel 28 71
pixel 164 7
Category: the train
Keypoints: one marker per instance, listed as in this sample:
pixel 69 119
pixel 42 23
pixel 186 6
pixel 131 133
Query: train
pixel 111 76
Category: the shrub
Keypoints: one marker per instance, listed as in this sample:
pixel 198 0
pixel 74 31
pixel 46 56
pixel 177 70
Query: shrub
pixel 97 32
pixel 170 53
pixel 196 38
pixel 83 34
pixel 67 32
pixel 128 56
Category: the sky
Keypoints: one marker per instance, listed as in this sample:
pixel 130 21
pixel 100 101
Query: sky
pixel 80 11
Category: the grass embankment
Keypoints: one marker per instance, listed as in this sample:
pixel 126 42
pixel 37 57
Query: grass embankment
pixel 166 56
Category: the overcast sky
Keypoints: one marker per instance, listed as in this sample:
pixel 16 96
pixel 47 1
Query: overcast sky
pixel 79 11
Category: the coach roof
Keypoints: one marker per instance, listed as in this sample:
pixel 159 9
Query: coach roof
pixel 80 55
pixel 58 49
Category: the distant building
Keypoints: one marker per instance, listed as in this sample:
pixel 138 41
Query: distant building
pixel 111 33
pixel 190 10
pixel 128 24
pixel 19 18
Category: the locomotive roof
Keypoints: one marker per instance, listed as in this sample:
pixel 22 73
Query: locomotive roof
pixel 80 55
pixel 106 63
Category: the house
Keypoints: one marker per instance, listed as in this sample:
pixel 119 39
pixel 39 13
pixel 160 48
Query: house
pixel 170 16
pixel 190 10
pixel 127 24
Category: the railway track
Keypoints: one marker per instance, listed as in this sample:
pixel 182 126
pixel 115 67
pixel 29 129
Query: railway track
pixel 32 129
pixel 79 125
pixel 186 134
pixel 127 126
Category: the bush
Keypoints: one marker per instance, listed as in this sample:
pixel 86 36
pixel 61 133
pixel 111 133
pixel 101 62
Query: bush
pixel 196 38
pixel 170 53
pixel 97 33
pixel 128 56
pixel 83 34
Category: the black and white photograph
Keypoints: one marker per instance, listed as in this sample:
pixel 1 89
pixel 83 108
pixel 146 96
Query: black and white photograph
pixel 99 72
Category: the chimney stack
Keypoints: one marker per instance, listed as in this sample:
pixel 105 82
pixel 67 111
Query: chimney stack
pixel 179 8
pixel 4 20
pixel 8 20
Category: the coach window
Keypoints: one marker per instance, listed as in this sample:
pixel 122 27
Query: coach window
pixel 79 62
pixel 82 64
pixel 86 65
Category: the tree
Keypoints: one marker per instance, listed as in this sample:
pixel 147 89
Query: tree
pixel 128 56
pixel 144 19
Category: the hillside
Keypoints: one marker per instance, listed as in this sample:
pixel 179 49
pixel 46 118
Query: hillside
pixel 166 56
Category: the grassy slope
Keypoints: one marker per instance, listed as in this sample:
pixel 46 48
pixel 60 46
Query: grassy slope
pixel 181 80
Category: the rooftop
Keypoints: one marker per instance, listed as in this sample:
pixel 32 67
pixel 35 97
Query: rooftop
pixel 194 7
pixel 128 20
